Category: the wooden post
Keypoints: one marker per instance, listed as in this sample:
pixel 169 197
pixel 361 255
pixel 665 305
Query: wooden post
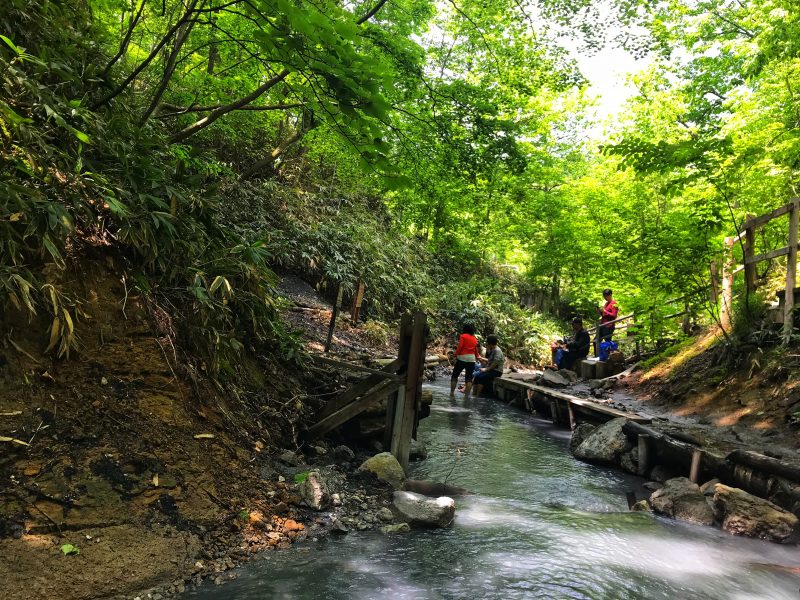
pixel 572 422
pixel 334 314
pixel 638 339
pixel 554 411
pixel 727 285
pixel 694 470
pixel 357 300
pixel 791 273
pixel 749 254
pixel 713 295
pixel 686 323
pixel 393 400
pixel 406 410
pixel 644 454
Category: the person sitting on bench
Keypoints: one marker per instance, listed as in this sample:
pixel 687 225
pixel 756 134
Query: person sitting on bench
pixel 571 350
pixel 493 366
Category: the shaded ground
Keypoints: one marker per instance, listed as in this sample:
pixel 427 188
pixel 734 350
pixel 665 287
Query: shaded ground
pixel 129 453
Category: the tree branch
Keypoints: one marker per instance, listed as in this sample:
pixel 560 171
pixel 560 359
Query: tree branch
pixel 123 47
pixel 178 110
pixel 226 108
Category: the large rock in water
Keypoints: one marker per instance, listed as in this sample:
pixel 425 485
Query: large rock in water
pixel 313 491
pixel 580 433
pixel 681 499
pixel 386 468
pixel 605 444
pixel 744 514
pixel 421 510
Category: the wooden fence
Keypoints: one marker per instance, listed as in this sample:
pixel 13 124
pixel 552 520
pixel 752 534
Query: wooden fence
pixel 747 238
pixel 399 382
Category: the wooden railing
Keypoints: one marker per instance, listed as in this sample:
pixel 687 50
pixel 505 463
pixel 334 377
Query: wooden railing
pixel 750 259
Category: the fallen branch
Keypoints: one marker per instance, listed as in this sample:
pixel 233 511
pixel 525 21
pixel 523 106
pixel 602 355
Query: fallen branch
pixel 13 440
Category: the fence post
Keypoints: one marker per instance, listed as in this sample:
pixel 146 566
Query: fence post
pixel 357 300
pixel 334 314
pixel 727 285
pixel 791 272
pixel 749 254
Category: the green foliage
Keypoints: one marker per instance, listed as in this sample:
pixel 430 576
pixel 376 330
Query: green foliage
pixel 669 352
pixel 376 333
pixel 68 549
pixel 301 477
pixel 491 305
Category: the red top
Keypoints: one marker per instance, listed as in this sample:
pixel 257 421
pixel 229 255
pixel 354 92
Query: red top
pixel 610 311
pixel 467 344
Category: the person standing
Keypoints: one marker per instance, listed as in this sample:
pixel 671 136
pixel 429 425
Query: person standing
pixel 493 365
pixel 608 314
pixel 467 354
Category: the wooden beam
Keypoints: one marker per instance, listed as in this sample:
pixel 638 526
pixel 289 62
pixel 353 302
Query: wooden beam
pixel 354 367
pixel 766 256
pixel 767 464
pixel 764 219
pixel 352 409
pixel 392 402
pixel 406 410
pixel 582 403
pixel 358 389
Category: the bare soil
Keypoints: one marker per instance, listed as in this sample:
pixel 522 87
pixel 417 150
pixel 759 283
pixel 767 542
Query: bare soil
pixel 132 455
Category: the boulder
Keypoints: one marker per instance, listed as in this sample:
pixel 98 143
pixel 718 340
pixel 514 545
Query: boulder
pixel 580 433
pixel 570 376
pixel 385 514
pixel 433 488
pixel 396 528
pixel 652 486
pixel 744 514
pixel 642 506
pixel 343 454
pixel 661 474
pixel 629 461
pixel 427 397
pixel 313 491
pixel 421 510
pixel 707 489
pixel 605 444
pixel 417 451
pixel 386 468
pixel 554 379
pixel 681 499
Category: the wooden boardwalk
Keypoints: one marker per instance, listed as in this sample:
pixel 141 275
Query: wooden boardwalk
pixel 562 407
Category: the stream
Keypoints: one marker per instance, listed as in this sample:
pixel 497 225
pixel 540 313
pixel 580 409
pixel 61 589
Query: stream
pixel 539 525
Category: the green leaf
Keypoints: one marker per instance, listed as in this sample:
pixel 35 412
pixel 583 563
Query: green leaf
pixel 70 549
pixel 81 136
pixel 301 477
pixel 11 45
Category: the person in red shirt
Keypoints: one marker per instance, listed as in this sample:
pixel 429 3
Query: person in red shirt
pixel 608 313
pixel 467 354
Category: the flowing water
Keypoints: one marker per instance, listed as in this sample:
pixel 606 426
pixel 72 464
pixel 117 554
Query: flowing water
pixel 539 525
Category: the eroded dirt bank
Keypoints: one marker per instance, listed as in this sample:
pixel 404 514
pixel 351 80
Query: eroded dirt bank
pixel 127 452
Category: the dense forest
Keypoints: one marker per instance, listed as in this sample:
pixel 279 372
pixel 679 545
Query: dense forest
pixel 438 152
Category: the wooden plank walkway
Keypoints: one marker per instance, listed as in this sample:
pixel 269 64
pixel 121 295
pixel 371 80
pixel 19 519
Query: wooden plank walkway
pixel 511 389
